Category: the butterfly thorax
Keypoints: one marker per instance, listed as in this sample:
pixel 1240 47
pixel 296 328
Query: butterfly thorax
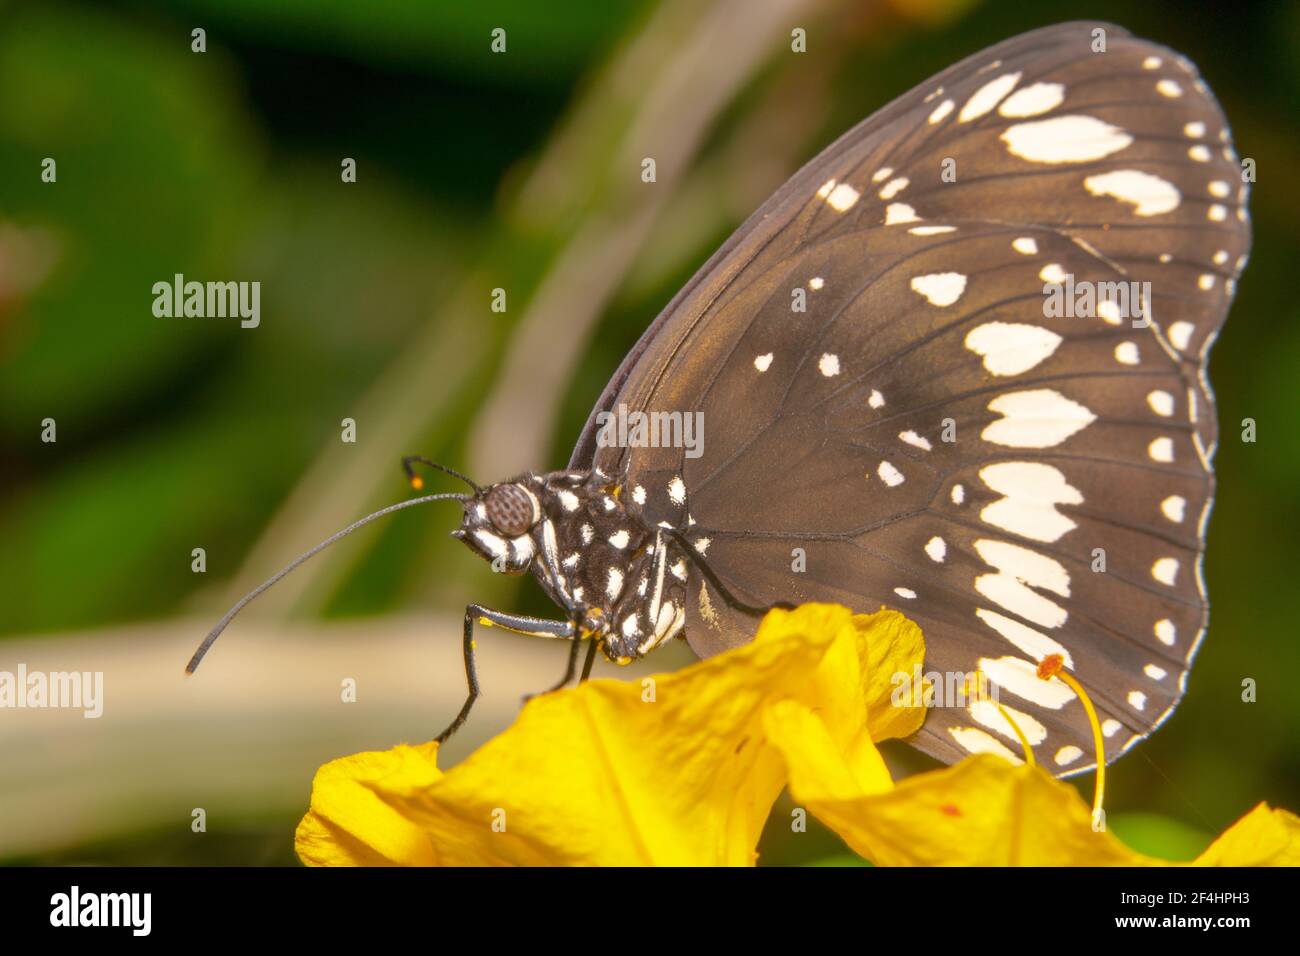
pixel 620 580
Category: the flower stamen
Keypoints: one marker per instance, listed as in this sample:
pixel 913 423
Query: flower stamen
pixel 1053 665
pixel 1024 741
pixel 982 683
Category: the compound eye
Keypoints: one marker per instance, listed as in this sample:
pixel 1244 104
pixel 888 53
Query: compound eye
pixel 511 509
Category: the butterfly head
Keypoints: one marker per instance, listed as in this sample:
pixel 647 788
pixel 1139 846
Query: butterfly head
pixel 498 525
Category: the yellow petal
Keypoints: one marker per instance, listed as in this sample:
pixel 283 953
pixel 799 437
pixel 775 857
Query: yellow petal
pixel 353 820
pixel 984 811
pixel 892 649
pixel 674 769
pixel 812 753
pixel 1263 837
pixel 832 723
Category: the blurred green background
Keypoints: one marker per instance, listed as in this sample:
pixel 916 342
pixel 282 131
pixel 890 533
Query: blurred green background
pixel 475 171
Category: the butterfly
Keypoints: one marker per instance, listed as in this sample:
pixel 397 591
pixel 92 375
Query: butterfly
pixel 956 365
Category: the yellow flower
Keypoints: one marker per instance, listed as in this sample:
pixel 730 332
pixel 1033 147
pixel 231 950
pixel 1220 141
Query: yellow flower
pixel 1264 837
pixel 684 768
pixel 986 811
pixel 674 770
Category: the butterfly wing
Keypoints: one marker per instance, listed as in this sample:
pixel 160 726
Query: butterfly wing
pixel 910 400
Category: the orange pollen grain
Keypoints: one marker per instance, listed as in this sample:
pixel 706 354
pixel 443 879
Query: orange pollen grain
pixel 417 482
pixel 1050 666
pixel 950 810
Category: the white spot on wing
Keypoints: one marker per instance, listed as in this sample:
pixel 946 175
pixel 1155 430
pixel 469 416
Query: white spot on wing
pixel 1165 570
pixel 763 362
pixel 1037 418
pixel 842 197
pixel 1029 641
pixel 829 365
pixel 677 491
pixel 994 717
pixel 1174 508
pixel 1067 755
pixel 1019 570
pixel 940 288
pixel 1161 402
pixel 889 474
pixel 1020 677
pixel 900 213
pixel 976 741
pixel 987 97
pixel 1052 272
pixel 940 111
pixel 1165 631
pixel 894 187
pixel 1161 449
pixel 1010 348
pixel 1033 100
pixel 1065 139
pixel 936 549
pixel 1025 245
pixel 1030 493
pixel 912 438
pixel 1149 195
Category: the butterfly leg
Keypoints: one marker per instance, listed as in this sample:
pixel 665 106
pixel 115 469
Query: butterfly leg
pixel 586 665
pixel 569 671
pixel 516 623
pixel 573 660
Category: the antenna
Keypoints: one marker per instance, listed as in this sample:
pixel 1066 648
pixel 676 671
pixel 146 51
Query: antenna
pixel 417 482
pixel 230 615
